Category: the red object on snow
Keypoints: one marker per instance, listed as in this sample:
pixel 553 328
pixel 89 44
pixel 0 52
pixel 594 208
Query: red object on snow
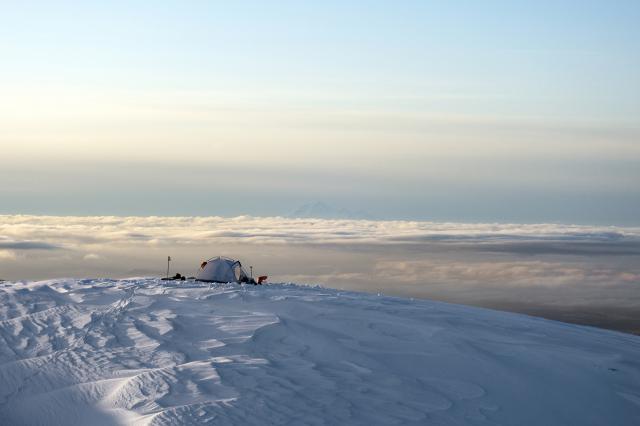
pixel 262 279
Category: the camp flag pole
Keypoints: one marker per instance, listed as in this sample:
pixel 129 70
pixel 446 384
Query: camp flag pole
pixel 251 268
pixel 168 260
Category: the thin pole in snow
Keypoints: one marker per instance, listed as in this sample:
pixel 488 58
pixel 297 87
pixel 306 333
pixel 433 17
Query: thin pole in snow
pixel 168 260
pixel 251 268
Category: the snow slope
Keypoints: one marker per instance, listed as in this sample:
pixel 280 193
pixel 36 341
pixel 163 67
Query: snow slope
pixel 143 351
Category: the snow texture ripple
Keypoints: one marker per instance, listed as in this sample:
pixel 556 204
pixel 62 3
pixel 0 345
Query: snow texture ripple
pixel 148 352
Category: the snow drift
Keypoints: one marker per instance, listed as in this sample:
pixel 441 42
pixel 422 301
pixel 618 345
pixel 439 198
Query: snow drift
pixel 142 351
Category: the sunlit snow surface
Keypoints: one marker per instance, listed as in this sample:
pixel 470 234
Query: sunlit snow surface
pixel 143 351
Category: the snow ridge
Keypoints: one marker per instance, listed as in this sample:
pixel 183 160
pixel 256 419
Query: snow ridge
pixel 148 352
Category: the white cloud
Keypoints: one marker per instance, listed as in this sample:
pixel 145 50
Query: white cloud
pixel 505 274
pixel 7 255
pixel 488 264
pixel 76 232
pixel 92 256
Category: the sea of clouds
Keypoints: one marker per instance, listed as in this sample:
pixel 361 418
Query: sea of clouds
pixel 588 274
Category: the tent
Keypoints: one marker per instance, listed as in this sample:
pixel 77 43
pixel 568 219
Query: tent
pixel 222 270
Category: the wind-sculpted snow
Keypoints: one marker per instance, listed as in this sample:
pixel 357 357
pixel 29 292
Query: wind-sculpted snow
pixel 143 351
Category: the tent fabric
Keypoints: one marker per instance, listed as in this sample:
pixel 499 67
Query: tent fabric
pixel 221 270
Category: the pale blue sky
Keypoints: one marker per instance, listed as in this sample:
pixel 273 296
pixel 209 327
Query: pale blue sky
pixel 475 111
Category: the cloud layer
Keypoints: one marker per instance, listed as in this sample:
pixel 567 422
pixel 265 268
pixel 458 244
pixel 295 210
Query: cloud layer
pixel 51 232
pixel 538 267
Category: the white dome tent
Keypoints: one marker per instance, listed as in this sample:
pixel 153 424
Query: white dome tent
pixel 222 269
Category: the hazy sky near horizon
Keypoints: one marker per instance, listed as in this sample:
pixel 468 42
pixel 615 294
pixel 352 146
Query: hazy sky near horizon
pixel 513 111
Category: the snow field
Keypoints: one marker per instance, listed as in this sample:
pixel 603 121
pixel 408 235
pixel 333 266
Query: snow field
pixel 148 352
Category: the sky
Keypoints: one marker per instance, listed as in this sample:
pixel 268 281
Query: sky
pixel 493 111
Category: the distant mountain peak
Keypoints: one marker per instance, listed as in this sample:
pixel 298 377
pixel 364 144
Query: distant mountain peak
pixel 322 210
